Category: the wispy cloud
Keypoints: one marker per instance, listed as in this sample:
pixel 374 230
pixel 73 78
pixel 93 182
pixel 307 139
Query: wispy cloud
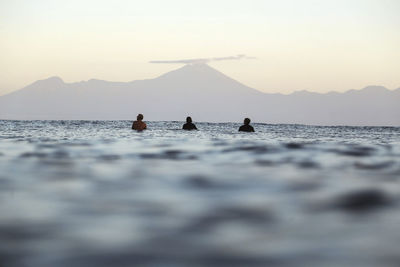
pixel 200 60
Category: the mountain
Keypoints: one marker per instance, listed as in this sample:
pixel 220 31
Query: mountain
pixel 203 93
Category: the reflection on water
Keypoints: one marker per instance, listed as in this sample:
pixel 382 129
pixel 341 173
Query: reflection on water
pixel 95 193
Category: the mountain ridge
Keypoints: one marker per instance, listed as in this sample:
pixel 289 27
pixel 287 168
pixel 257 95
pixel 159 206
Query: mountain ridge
pixel 368 87
pixel 203 92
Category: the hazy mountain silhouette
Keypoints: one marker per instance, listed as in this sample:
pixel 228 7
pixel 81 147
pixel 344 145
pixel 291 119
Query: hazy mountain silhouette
pixel 202 92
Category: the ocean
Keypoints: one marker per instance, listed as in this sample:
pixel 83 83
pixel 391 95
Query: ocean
pixel 96 193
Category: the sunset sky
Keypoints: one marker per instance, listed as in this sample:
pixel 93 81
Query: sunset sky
pixel 298 45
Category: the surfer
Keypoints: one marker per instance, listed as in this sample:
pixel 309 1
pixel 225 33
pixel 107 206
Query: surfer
pixel 139 125
pixel 246 127
pixel 189 125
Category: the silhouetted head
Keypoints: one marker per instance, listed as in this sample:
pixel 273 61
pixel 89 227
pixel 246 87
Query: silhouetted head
pixel 188 119
pixel 139 117
pixel 246 121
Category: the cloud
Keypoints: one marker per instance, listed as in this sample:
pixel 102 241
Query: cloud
pixel 200 60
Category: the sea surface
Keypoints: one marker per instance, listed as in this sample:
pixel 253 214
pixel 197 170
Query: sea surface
pixel 96 193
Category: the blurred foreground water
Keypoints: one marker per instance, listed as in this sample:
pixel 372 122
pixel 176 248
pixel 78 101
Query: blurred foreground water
pixel 95 193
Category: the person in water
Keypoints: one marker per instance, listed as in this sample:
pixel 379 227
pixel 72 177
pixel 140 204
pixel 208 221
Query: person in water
pixel 246 127
pixel 189 125
pixel 139 125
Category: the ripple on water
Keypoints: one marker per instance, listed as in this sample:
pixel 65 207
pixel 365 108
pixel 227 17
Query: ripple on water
pixel 257 149
pixel 239 214
pixel 356 151
pixel 307 164
pixel 373 166
pixel 203 182
pixel 294 145
pixel 21 232
pixel 33 155
pixel 200 182
pixel 47 145
pixel 265 162
pixel 361 201
pixel 169 155
pixel 305 186
pixel 60 154
pixel 109 157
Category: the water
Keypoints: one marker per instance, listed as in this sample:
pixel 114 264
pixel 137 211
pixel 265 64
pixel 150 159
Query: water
pixel 95 193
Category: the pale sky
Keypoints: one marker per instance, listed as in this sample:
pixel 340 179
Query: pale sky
pixel 299 45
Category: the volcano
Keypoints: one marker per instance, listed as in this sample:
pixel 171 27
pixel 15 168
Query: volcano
pixel 202 92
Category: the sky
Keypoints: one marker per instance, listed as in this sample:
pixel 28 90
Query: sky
pixel 290 45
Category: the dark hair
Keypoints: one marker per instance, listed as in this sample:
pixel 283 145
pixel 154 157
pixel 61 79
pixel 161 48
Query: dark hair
pixel 139 117
pixel 247 121
pixel 188 119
